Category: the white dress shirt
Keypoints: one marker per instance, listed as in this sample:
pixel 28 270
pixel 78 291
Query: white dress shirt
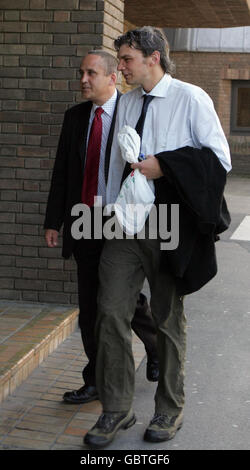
pixel 180 115
pixel 106 117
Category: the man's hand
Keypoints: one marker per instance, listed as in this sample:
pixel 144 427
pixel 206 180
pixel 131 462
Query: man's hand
pixel 51 237
pixel 149 167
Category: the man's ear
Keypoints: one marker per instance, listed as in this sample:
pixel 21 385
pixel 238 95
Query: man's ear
pixel 113 78
pixel 155 57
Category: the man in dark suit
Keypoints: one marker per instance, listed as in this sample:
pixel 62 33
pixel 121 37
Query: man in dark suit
pixel 70 186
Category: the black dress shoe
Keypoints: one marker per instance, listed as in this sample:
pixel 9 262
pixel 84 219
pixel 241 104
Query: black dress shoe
pixel 106 428
pixel 152 370
pixel 85 394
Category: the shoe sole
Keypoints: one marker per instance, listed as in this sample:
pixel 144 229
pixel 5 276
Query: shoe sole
pixel 126 425
pixel 80 402
pixel 153 436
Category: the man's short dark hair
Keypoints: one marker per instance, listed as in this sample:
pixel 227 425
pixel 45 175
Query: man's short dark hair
pixel 148 39
pixel 110 61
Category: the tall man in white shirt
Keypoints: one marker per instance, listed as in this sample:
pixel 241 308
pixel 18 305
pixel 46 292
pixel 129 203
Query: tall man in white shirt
pixel 74 170
pixel 187 157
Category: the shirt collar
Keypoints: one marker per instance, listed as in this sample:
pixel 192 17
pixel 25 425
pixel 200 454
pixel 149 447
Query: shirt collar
pixel 160 88
pixel 107 107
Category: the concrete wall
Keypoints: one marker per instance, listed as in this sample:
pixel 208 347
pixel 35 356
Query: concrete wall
pixel 209 39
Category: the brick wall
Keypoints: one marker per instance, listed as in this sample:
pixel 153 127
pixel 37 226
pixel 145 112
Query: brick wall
pixel 42 45
pixel 214 73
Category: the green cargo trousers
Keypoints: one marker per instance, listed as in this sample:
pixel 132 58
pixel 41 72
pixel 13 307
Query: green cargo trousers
pixel 123 267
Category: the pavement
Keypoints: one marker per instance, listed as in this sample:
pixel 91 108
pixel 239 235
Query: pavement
pixel 217 382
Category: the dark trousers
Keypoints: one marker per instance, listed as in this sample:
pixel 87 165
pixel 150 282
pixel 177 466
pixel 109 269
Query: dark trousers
pixel 87 255
pixel 123 267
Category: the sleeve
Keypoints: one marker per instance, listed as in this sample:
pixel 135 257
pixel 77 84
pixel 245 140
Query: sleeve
pixel 57 195
pixel 206 128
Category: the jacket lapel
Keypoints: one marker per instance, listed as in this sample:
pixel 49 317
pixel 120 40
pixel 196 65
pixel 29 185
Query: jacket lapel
pixel 82 131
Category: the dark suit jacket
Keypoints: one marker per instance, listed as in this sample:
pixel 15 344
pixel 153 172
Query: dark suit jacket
pixel 194 179
pixel 67 177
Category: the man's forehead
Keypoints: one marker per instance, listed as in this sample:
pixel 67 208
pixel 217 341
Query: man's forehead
pixel 92 61
pixel 127 51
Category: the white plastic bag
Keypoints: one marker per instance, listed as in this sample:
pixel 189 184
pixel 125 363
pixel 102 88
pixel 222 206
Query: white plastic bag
pixel 136 196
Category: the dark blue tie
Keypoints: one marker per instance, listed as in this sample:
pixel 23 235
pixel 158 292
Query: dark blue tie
pixel 139 129
pixel 141 120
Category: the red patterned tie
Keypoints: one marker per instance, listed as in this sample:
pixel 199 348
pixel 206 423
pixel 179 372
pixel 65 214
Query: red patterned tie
pixel 90 180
